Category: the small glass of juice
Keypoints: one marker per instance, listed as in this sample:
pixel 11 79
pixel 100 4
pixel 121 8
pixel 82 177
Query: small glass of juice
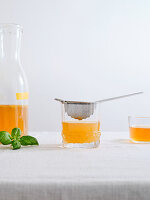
pixel 139 129
pixel 83 131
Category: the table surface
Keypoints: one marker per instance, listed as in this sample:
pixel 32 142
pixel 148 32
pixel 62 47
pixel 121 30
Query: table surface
pixel 116 170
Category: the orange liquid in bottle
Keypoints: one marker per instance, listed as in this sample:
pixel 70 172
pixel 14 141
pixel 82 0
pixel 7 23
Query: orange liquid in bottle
pixel 81 132
pixel 140 134
pixel 14 116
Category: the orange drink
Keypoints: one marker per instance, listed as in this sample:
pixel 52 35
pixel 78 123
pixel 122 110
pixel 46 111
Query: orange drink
pixel 138 133
pixel 80 132
pixel 12 116
pixel 80 124
pixel 139 129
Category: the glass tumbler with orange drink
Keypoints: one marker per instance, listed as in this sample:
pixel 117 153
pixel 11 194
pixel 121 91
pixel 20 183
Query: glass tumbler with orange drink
pixel 81 132
pixel 139 129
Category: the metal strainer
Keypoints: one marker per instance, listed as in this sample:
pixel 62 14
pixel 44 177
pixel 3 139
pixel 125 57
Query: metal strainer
pixel 82 110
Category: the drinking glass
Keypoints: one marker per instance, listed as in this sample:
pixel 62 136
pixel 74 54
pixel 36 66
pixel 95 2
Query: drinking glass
pixel 139 129
pixel 84 133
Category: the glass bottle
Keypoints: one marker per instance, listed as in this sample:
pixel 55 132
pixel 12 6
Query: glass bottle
pixel 13 82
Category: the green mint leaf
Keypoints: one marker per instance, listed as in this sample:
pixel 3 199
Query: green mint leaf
pixel 16 144
pixel 5 137
pixel 16 133
pixel 28 140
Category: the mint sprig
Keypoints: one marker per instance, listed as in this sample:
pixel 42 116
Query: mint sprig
pixel 16 140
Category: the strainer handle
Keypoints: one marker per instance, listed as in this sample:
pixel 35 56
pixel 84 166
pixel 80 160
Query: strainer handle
pixel 60 100
pixel 119 97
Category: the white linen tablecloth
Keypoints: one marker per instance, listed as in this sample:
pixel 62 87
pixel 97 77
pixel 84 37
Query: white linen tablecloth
pixel 117 170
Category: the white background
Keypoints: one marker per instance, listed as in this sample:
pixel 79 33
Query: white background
pixel 88 49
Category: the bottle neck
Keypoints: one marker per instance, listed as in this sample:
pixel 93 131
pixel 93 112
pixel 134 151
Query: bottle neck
pixel 10 41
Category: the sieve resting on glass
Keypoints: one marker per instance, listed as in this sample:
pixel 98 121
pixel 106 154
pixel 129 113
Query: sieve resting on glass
pixel 81 122
pixel 80 133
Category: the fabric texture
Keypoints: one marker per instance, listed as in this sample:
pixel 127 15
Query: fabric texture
pixel 116 170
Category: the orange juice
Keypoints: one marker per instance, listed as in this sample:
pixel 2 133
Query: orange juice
pixel 80 132
pixel 12 116
pixel 139 133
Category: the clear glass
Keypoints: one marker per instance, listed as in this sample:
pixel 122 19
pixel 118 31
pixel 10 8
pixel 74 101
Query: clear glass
pixel 83 133
pixel 13 82
pixel 139 129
